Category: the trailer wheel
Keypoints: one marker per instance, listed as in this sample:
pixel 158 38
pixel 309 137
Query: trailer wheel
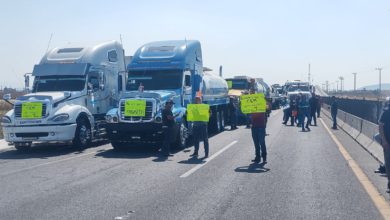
pixel 23 146
pixel 82 138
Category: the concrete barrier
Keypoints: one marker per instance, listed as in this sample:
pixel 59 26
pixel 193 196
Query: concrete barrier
pixel 360 130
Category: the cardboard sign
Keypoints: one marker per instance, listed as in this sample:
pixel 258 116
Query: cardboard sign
pixel 198 112
pixel 136 108
pixel 31 110
pixel 253 103
pixel 230 84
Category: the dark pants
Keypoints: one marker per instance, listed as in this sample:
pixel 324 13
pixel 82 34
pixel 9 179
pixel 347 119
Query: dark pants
pixel 233 119
pixel 200 134
pixel 386 153
pixel 168 132
pixel 318 111
pixel 334 118
pixel 313 117
pixel 288 115
pixel 304 113
pixel 258 136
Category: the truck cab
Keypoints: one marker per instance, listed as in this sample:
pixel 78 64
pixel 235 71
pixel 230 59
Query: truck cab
pixel 73 89
pixel 160 71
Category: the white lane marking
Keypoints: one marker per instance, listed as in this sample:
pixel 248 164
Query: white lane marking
pixel 52 162
pixel 197 167
pixel 380 202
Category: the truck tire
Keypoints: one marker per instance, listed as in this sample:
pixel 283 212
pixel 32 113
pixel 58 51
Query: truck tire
pixel 222 120
pixel 82 138
pixel 23 146
pixel 182 136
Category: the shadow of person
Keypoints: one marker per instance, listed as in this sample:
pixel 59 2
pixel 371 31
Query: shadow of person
pixel 252 168
pixel 193 160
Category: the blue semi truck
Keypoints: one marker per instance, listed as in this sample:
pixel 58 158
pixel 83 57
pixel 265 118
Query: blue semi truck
pixel 158 72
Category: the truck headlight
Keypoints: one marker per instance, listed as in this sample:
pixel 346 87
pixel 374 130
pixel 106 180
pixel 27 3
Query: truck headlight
pixel 60 117
pixel 5 119
pixel 111 119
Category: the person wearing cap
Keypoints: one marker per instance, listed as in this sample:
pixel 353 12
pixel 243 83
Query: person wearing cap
pixel 384 131
pixel 200 133
pixel 168 122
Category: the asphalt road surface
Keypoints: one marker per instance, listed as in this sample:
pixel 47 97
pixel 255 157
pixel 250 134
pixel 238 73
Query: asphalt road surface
pixel 306 177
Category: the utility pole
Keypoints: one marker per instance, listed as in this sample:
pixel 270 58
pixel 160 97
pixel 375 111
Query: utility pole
pixel 354 81
pixel 337 86
pixel 380 80
pixel 309 74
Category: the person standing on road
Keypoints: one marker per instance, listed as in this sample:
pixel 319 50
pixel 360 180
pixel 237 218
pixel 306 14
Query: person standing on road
pixel 313 102
pixel 200 134
pixel 233 115
pixel 333 110
pixel 384 131
pixel 303 106
pixel 168 122
pixel 258 121
pixel 319 104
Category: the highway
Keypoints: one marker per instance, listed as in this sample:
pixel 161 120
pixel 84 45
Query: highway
pixel 308 176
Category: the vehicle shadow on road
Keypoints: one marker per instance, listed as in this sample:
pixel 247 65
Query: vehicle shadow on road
pixel 138 151
pixel 252 168
pixel 45 151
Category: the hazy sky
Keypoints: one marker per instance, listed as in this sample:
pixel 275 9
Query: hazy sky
pixel 273 39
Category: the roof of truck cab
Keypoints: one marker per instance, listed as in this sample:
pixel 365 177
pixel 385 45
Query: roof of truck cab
pixel 175 50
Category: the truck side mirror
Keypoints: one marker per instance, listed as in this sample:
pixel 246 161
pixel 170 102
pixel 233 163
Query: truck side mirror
pixel 26 81
pixel 7 97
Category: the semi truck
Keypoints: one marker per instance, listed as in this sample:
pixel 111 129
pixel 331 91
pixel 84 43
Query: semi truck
pixel 161 71
pixel 73 88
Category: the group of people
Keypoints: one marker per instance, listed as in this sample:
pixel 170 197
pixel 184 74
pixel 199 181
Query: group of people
pixel 258 122
pixel 296 110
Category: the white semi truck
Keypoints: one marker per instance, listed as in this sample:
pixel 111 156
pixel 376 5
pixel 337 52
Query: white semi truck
pixel 73 89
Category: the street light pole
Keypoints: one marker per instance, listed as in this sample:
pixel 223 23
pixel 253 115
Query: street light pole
pixel 380 80
pixel 354 81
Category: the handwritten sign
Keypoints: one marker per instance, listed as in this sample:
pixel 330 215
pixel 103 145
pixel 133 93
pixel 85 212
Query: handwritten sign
pixel 136 108
pixel 31 110
pixel 198 112
pixel 253 103
pixel 230 84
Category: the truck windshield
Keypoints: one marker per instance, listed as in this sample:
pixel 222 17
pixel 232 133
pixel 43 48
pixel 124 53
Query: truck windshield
pixel 58 83
pixel 239 84
pixel 155 79
pixel 298 87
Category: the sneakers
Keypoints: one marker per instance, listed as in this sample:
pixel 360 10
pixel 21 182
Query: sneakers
pixel 256 160
pixel 195 154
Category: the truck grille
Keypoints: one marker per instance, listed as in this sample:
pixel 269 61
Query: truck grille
pixel 18 110
pixel 148 113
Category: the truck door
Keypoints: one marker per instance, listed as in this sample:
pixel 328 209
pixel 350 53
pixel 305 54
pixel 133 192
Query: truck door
pixel 98 100
pixel 187 89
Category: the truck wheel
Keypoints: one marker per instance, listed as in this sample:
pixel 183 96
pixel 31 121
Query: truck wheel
pixel 118 146
pixel 22 146
pixel 82 138
pixel 222 121
pixel 182 136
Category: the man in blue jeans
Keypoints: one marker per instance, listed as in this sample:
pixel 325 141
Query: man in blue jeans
pixel 333 111
pixel 258 121
pixel 200 134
